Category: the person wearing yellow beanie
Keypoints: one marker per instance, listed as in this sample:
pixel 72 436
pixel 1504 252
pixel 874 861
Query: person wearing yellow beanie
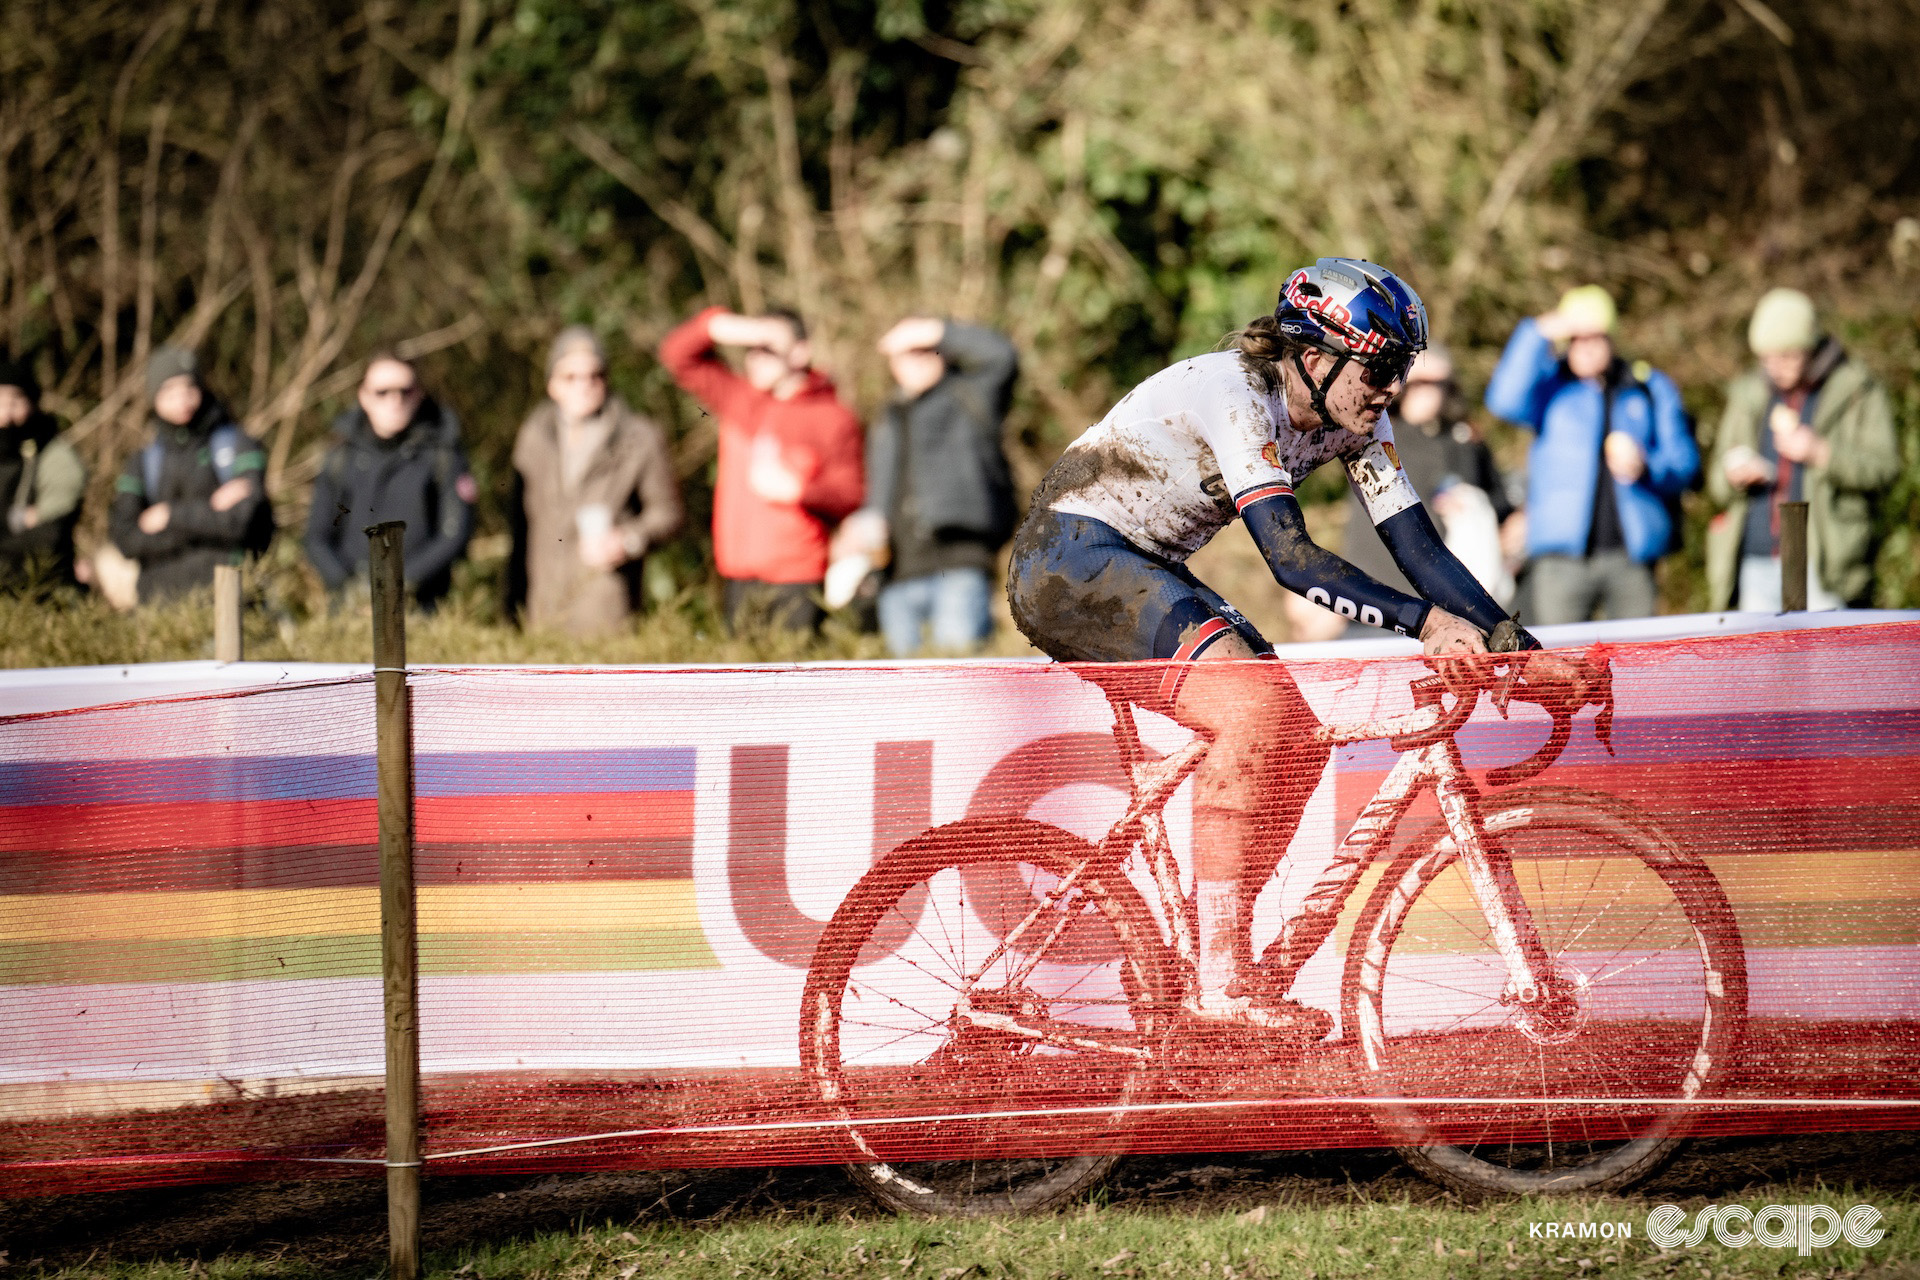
pixel 1808 425
pixel 1612 450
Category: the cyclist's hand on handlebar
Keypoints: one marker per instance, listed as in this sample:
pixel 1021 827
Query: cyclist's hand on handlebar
pixel 1445 636
pixel 1510 637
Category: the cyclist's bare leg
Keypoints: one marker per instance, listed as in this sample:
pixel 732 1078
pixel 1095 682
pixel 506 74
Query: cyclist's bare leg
pixel 1248 795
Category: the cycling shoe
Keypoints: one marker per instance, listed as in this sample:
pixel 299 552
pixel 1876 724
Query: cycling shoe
pixel 1284 1017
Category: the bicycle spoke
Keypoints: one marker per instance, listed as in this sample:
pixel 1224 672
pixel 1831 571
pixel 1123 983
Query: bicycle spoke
pixel 1615 901
pixel 1624 1023
pixel 887 1044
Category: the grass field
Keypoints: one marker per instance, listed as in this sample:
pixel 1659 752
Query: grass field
pixel 289 618
pixel 1322 1215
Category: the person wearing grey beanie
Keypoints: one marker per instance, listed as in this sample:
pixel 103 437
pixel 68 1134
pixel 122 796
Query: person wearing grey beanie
pixel 576 340
pixel 168 363
pixel 597 492
pixel 1808 424
pixel 194 495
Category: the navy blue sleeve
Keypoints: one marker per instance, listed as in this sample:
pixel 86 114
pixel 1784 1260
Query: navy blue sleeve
pixel 1298 564
pixel 1435 571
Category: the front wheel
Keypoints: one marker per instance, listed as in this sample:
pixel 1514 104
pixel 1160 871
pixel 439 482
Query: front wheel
pixel 986 1062
pixel 1586 1085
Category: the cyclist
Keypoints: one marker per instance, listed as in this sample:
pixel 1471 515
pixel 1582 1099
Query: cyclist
pixel 1097 575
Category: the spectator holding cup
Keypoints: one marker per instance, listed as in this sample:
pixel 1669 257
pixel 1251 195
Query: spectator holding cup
pixel 598 491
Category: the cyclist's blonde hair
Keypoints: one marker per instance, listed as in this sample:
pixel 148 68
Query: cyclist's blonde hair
pixel 1262 346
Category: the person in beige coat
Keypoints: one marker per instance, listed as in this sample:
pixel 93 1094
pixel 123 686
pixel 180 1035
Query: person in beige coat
pixel 598 491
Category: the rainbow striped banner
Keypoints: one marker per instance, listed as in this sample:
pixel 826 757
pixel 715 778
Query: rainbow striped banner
pixel 212 869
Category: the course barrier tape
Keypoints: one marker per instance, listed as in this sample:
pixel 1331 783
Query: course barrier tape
pixel 625 879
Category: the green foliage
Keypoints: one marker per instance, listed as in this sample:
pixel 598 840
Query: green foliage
pixel 289 184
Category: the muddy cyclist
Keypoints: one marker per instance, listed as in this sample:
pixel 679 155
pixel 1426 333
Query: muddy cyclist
pixel 1098 575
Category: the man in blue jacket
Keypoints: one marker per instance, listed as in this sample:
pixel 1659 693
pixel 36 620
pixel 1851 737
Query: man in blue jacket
pixel 1613 449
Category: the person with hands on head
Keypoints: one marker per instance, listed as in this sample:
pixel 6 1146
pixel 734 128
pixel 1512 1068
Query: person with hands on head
pixel 789 460
pixel 194 497
pixel 597 491
pixel 396 456
pixel 1611 453
pixel 939 493
pixel 1098 575
pixel 1812 425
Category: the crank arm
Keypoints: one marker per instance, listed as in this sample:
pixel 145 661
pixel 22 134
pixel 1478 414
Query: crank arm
pixel 1062 1035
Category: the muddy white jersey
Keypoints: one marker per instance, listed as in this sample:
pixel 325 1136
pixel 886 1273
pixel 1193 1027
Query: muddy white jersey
pixel 1191 447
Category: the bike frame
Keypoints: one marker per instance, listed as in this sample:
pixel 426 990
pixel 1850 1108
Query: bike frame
pixel 1153 780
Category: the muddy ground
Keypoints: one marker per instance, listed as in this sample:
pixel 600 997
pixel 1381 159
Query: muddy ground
pixel 341 1224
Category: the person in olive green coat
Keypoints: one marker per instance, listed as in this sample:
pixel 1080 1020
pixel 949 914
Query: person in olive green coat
pixel 41 480
pixel 1811 425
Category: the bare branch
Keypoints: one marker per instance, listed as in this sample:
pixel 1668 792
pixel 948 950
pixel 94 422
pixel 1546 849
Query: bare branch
pixel 796 203
pixel 1553 131
pixel 147 268
pixel 110 193
pixel 1769 21
pixel 675 213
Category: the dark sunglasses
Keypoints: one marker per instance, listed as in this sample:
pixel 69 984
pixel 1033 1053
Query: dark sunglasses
pixel 1383 371
pixel 382 393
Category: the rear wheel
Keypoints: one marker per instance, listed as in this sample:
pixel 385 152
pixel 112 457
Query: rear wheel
pixel 1585 1086
pixel 984 1064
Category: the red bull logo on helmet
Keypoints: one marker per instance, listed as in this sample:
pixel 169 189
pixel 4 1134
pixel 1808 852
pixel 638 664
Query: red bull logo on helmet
pixel 1336 316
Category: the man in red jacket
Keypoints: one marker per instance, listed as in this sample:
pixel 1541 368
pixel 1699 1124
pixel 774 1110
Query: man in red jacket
pixel 790 460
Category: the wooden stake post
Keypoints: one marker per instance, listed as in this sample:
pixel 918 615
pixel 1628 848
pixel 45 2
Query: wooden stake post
pixel 1793 557
pixel 399 951
pixel 226 613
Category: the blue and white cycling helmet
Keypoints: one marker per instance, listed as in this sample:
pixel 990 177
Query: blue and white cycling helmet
pixel 1353 310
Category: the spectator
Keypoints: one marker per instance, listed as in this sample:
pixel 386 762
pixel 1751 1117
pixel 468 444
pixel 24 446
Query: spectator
pixel 939 497
pixel 1808 425
pixel 193 498
pixel 598 491
pixel 1453 471
pixel 41 480
pixel 790 462
pixel 1613 451
pixel 396 456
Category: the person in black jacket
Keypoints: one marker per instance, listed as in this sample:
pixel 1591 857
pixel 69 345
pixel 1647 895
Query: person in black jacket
pixel 194 497
pixel 41 482
pixel 939 495
pixel 396 456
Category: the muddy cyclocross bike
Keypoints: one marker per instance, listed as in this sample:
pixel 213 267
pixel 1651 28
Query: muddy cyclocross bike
pixel 1537 990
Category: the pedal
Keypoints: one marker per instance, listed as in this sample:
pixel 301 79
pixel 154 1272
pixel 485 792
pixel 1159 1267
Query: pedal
pixel 1242 1017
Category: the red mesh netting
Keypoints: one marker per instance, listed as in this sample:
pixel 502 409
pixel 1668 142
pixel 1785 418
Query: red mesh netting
pixel 626 881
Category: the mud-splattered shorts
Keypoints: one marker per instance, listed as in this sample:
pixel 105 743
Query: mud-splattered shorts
pixel 1082 593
